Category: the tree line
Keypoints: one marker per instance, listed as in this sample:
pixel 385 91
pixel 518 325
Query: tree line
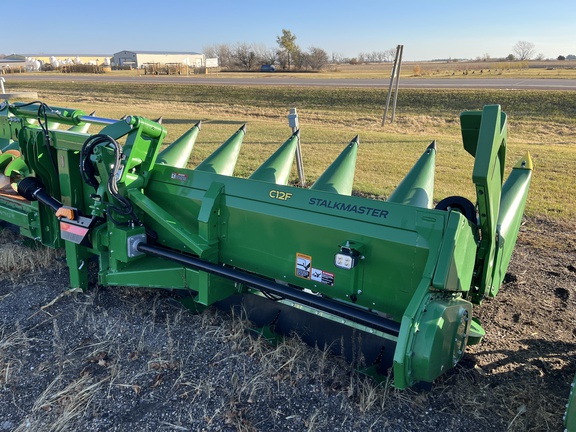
pixel 524 50
pixel 288 55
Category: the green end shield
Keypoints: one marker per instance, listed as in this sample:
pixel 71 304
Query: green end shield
pixel 433 341
pixel 514 195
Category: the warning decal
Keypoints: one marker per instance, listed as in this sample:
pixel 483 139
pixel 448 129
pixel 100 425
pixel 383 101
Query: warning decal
pixel 322 277
pixel 303 265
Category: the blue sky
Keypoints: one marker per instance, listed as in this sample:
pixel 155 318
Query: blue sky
pixel 427 29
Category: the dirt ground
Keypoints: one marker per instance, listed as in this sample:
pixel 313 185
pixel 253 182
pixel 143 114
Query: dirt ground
pixel 118 359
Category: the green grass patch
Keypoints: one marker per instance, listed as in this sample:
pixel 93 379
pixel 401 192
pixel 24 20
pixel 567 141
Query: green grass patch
pixel 520 104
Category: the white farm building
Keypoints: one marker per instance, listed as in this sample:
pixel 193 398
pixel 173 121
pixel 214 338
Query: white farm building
pixel 139 59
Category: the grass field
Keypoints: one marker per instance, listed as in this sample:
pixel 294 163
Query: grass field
pixel 469 69
pixel 541 122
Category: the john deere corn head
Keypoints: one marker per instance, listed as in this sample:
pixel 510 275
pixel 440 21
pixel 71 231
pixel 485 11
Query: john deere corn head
pixel 392 283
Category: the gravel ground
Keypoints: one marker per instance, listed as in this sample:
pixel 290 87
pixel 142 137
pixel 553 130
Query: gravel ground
pixel 119 359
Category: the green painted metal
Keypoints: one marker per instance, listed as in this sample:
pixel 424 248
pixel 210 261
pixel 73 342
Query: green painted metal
pixel 485 136
pixel 476 333
pixel 417 188
pixel 570 414
pixel 455 268
pixel 142 145
pixel 17 166
pixel 223 160
pixel 512 203
pixel 414 271
pixel 339 176
pixel 277 167
pixel 33 111
pixel 82 127
pixel 178 153
pixel 435 340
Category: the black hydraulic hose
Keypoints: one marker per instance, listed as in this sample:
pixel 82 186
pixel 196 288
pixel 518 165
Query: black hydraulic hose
pixel 358 316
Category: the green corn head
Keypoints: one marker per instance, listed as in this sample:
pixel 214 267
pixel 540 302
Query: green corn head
pixel 395 280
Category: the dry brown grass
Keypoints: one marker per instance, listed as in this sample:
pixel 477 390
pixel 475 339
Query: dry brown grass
pixel 133 345
pixel 20 256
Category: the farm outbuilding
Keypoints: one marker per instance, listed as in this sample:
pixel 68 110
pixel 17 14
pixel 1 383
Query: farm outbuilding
pixel 139 59
pixel 12 63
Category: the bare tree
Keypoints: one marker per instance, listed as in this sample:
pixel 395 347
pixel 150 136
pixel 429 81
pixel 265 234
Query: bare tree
pixel 223 52
pixel 267 55
pixel 316 58
pixel 299 60
pixel 524 50
pixel 390 54
pixel 377 56
pixel 337 58
pixel 210 51
pixel 380 56
pixel 244 56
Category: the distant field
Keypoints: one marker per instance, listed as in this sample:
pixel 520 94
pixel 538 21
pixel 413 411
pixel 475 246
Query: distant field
pixel 416 69
pixel 472 69
pixel 412 69
pixel 542 122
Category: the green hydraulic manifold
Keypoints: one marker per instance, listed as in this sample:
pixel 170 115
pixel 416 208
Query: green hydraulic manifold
pixel 395 280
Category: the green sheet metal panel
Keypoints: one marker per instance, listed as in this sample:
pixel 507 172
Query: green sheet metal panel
pixel 268 229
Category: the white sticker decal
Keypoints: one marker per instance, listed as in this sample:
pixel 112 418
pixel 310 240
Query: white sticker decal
pixel 322 277
pixel 303 265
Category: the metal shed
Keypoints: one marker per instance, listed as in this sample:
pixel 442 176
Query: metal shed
pixel 137 59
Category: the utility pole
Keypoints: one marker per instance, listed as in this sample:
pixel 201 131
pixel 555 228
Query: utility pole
pixel 394 76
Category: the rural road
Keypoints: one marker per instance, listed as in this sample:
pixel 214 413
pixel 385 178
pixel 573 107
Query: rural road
pixel 268 80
